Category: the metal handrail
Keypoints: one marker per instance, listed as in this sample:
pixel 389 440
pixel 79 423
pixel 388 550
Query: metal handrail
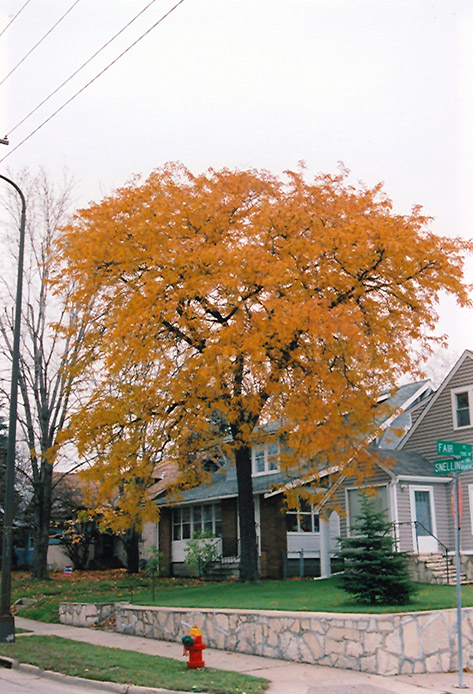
pixel 225 561
pixel 417 524
pixel 228 561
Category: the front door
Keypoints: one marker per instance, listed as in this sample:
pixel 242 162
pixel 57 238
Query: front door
pixel 424 530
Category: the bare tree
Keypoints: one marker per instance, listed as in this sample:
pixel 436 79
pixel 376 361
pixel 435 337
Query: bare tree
pixel 46 379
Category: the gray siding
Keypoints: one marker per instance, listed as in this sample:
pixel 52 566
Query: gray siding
pixel 404 531
pixel 416 411
pixel 437 422
pixel 445 529
pixel 378 476
pixel 466 538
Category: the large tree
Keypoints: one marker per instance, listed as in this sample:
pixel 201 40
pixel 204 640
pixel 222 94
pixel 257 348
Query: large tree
pixel 256 299
pixel 46 396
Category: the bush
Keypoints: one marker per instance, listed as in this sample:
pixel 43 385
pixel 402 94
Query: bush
pixel 201 551
pixel 373 571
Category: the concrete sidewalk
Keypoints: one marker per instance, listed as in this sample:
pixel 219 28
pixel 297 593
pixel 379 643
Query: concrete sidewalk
pixel 285 677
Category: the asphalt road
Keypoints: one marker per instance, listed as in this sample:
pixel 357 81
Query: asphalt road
pixel 17 682
pixel 304 679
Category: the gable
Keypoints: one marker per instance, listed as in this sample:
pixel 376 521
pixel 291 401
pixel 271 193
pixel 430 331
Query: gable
pixel 437 420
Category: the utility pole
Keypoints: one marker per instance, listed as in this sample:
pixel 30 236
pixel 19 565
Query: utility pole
pixel 7 622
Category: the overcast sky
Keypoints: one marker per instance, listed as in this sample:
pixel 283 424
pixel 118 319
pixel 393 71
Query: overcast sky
pixel 385 86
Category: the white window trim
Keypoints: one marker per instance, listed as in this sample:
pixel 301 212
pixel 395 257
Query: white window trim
pixel 310 513
pixel 216 517
pixel 266 470
pixel 455 391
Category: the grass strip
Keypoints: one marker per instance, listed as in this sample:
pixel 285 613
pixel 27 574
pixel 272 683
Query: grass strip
pixel 127 667
pixel 292 595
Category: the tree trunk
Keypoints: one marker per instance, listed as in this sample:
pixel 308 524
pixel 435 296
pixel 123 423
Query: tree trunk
pixel 132 551
pixel 246 513
pixel 42 518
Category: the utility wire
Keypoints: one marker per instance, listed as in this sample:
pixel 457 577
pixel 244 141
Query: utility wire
pixel 12 20
pixel 94 79
pixel 81 67
pixel 39 42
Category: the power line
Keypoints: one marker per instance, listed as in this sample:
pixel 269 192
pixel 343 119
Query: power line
pixel 148 31
pixel 40 41
pixel 12 20
pixel 81 67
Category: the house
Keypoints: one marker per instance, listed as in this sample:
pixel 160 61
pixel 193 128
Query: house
pixel 285 538
pixel 419 501
pixel 101 550
pixel 447 416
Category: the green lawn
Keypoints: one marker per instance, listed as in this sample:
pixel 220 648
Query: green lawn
pixel 300 595
pixel 117 665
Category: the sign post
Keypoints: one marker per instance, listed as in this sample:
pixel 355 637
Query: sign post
pixel 459 459
pixel 458 582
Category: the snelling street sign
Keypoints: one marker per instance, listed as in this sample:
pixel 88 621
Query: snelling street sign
pixel 458 457
pixel 449 465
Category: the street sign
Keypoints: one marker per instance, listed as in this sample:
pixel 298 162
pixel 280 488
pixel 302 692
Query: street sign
pixel 449 465
pixel 459 451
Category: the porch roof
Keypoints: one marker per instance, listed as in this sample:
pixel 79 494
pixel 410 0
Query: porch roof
pixel 223 483
pixel 400 463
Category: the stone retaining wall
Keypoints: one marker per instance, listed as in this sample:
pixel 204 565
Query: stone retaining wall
pixel 84 614
pixel 381 644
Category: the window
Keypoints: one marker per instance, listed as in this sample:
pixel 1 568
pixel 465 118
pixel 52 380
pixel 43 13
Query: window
pixel 265 457
pixel 462 401
pixel 187 520
pixel 354 496
pixel 303 521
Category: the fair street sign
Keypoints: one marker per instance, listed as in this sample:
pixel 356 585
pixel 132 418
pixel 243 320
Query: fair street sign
pixel 458 457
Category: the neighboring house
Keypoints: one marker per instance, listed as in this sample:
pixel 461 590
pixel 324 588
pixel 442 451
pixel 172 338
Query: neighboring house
pixel 284 538
pixel 105 550
pixel 213 507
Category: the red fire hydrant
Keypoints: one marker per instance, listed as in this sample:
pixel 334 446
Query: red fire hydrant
pixel 193 646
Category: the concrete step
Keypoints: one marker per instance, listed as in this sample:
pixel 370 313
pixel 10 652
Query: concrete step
pixel 230 568
pixel 436 566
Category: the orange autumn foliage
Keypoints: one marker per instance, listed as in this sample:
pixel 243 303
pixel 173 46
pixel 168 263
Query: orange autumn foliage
pixel 231 299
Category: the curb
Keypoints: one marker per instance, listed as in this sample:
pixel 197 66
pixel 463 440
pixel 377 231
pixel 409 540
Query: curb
pixel 8 663
pixel 118 687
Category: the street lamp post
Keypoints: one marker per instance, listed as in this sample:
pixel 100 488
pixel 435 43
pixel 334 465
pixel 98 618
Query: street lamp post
pixel 7 622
